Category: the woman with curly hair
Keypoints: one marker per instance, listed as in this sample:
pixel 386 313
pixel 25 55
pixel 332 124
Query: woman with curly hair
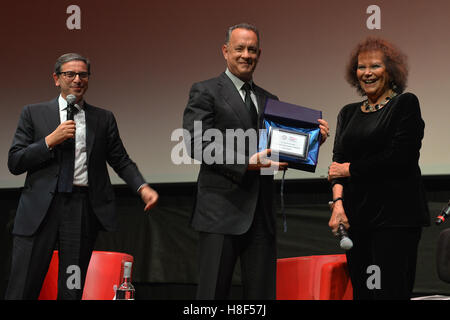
pixel 375 176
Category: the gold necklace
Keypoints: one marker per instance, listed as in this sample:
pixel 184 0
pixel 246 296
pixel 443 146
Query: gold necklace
pixel 378 106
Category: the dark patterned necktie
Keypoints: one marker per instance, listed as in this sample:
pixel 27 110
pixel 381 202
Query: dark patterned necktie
pixel 250 105
pixel 66 170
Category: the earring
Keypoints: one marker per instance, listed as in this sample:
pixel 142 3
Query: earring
pixel 394 86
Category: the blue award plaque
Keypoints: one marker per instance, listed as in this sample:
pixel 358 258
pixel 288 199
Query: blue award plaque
pixel 292 133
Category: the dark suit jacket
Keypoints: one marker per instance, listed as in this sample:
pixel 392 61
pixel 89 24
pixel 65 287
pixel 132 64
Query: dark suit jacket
pixel 227 194
pixel 30 154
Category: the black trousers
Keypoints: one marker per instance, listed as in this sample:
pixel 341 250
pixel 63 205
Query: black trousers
pixel 256 249
pixel 382 263
pixel 69 226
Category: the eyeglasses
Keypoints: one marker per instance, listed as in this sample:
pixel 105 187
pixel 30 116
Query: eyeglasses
pixel 70 75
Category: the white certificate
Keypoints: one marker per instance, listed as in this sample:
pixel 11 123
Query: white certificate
pixel 288 142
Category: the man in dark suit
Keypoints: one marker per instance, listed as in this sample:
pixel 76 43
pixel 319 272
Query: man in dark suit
pixel 234 209
pixel 67 197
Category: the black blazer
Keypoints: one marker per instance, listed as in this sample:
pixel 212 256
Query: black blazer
pixel 227 194
pixel 30 154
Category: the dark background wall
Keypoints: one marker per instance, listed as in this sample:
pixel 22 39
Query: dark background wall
pixel 165 247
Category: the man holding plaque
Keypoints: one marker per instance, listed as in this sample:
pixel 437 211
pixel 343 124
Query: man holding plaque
pixel 234 209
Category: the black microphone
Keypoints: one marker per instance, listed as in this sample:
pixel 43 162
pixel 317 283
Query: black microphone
pixel 70 105
pixel 444 214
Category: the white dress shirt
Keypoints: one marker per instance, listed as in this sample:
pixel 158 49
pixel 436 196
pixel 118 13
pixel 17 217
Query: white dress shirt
pixel 80 176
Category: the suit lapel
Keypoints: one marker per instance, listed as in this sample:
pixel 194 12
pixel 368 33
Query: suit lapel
pixel 91 124
pixel 234 100
pixel 52 118
pixel 262 98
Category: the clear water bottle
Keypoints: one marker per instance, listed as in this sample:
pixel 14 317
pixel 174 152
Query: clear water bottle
pixel 126 289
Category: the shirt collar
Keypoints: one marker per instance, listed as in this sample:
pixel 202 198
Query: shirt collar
pixel 238 83
pixel 63 104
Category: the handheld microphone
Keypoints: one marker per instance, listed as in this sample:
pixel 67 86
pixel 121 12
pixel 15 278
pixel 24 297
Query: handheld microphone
pixel 70 105
pixel 344 241
pixel 444 215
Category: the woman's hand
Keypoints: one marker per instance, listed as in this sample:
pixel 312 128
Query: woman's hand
pixel 338 170
pixel 338 216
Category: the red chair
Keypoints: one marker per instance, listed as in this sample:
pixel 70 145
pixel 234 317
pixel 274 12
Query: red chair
pixel 323 277
pixel 104 272
pixel 49 290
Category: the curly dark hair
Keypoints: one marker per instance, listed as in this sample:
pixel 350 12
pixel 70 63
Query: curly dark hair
pixel 394 60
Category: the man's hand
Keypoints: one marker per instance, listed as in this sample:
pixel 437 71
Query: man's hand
pixel 259 160
pixel 64 131
pixel 149 196
pixel 324 130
